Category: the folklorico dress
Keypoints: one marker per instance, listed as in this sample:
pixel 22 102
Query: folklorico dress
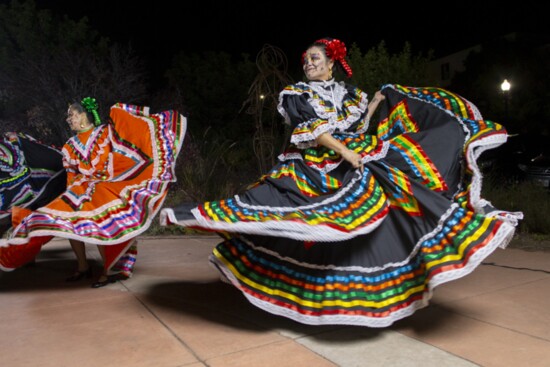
pixel 31 175
pixel 118 175
pixel 320 242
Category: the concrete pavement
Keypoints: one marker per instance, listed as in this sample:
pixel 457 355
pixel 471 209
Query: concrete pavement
pixel 175 312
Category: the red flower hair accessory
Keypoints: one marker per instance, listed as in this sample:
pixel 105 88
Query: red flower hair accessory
pixel 336 50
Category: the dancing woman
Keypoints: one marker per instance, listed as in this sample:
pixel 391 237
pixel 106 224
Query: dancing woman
pixel 354 228
pixel 118 174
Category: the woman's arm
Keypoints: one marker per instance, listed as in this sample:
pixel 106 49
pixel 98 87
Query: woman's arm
pixel 329 142
pixel 373 105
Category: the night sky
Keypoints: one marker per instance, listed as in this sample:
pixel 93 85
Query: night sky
pixel 162 30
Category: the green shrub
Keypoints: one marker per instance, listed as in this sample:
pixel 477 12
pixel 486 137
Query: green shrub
pixel 526 196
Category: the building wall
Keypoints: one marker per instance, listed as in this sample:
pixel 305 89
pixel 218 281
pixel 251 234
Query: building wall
pixel 443 69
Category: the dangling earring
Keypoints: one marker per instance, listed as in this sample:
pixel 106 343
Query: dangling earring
pixel 330 73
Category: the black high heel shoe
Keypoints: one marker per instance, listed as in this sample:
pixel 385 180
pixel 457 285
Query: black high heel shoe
pixel 79 275
pixel 102 283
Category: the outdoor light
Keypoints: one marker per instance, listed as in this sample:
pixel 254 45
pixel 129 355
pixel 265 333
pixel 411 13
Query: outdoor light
pixel 505 86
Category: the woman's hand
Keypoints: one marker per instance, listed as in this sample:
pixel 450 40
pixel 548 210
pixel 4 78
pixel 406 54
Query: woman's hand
pixel 378 96
pixel 353 158
pixel 328 141
pixel 11 136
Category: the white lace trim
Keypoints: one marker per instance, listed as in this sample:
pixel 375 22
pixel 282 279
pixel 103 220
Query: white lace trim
pixel 501 239
pixel 334 93
pixel 293 230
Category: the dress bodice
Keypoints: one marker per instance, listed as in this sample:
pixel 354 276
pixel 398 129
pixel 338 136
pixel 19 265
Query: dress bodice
pixel 314 108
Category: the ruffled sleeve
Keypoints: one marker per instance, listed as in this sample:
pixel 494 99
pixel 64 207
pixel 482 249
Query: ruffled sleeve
pixel 296 106
pixel 297 109
pixel 314 109
pixel 69 162
pixel 88 156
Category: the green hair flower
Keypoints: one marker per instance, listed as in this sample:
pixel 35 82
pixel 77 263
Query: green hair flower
pixel 91 106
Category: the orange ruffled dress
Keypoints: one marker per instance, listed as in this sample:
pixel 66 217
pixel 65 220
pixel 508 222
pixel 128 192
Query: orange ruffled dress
pixel 118 175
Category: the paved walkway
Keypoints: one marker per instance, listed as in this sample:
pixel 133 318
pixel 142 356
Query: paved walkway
pixel 174 312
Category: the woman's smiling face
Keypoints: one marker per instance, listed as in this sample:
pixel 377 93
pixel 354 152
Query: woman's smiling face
pixel 317 66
